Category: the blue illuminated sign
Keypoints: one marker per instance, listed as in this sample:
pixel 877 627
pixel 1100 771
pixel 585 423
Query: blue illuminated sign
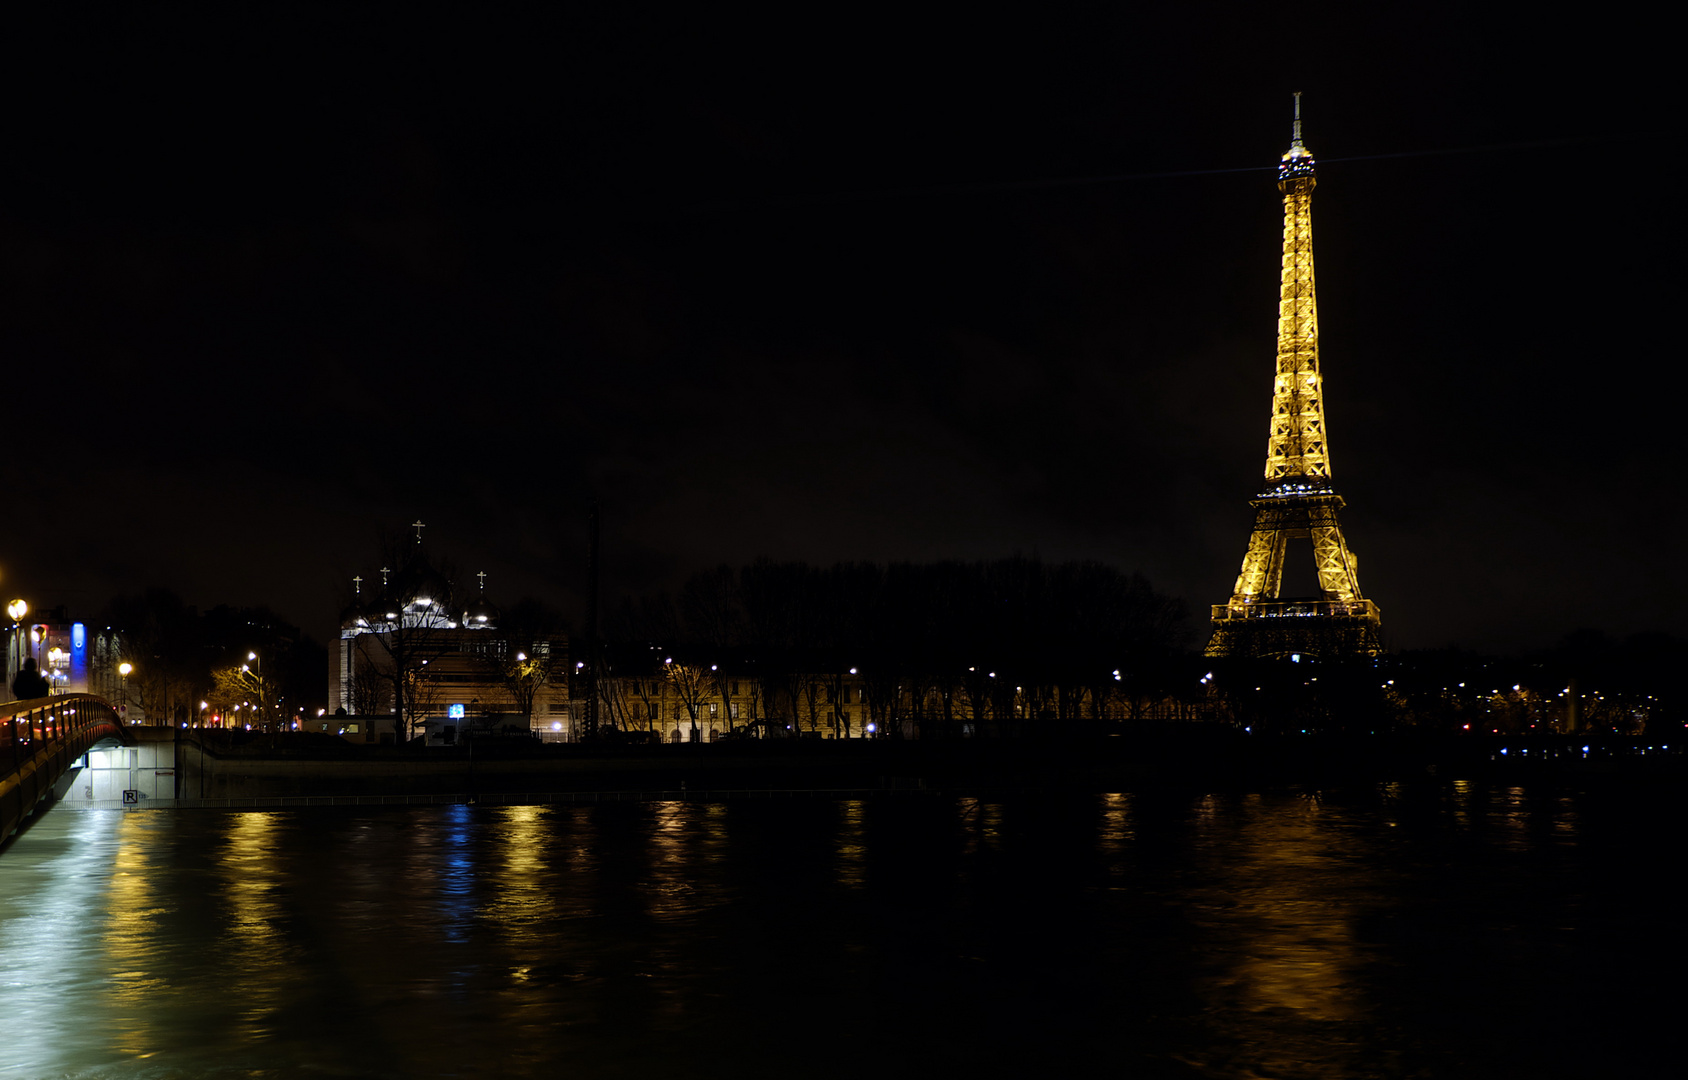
pixel 454 712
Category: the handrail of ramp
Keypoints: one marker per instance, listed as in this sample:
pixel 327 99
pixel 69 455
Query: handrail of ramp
pixel 39 742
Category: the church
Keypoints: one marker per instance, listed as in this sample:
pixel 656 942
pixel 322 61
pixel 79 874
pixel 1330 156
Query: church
pixel 409 663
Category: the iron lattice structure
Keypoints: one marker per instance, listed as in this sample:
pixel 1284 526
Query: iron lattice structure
pixel 1297 501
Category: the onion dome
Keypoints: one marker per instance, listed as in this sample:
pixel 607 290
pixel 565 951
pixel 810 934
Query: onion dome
pixel 417 595
pixel 355 617
pixel 481 615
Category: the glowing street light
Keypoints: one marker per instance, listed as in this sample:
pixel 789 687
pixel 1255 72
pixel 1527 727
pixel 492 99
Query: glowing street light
pixel 124 669
pixel 17 609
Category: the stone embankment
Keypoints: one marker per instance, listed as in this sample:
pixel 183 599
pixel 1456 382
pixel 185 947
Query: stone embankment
pixel 218 768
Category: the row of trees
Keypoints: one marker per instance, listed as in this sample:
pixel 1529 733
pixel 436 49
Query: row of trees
pixel 240 662
pixel 996 645
pixel 1588 683
pixel 929 645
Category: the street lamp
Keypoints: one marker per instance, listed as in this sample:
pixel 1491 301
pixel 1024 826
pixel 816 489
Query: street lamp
pixel 17 609
pixel 55 657
pixel 123 669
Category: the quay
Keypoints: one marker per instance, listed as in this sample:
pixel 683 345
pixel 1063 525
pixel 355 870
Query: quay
pixel 160 768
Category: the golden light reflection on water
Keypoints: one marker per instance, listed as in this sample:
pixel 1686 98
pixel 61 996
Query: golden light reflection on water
pixel 1279 916
pixel 1303 946
pixel 684 839
pixel 1239 935
pixel 850 850
pixel 1118 828
pixel 524 901
pixel 130 938
pixel 251 881
pixel 1462 800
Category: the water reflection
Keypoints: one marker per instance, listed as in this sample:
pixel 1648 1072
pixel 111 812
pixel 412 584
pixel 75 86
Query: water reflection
pixel 53 883
pixel 1277 920
pixel 1308 934
pixel 522 900
pixel 131 910
pixel 671 893
pixel 849 845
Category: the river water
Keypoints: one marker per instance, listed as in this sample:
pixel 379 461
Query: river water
pixel 1438 929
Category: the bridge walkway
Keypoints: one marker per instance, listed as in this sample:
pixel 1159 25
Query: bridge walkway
pixel 41 741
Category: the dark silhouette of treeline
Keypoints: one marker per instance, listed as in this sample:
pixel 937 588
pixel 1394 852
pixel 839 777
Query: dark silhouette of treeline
pixel 995 644
pixel 1589 683
pixel 175 649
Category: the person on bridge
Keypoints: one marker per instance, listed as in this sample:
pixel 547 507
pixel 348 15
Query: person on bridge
pixel 29 683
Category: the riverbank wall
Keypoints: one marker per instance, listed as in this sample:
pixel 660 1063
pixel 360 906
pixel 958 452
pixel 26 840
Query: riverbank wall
pixel 168 768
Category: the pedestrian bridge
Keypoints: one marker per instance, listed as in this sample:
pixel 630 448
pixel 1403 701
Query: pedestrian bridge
pixel 40 744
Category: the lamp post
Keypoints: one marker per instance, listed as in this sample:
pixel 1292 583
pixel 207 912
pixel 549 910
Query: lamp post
pixel 17 609
pixel 55 657
pixel 123 671
pixel 254 670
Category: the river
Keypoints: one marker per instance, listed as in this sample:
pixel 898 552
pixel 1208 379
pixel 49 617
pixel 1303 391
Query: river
pixel 1433 929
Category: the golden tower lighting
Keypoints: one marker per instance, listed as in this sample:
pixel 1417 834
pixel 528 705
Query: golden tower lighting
pixel 1297 501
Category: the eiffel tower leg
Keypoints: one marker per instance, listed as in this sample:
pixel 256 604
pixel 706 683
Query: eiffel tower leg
pixel 1263 564
pixel 1337 579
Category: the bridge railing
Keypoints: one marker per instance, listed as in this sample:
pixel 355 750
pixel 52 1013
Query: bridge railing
pixel 39 742
pixel 26 725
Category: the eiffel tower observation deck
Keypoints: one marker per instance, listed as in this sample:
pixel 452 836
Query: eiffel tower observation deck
pixel 1297 506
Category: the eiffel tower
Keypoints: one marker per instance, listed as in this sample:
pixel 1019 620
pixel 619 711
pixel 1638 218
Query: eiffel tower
pixel 1297 501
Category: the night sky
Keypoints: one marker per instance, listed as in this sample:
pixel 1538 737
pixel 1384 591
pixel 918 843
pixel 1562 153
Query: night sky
pixel 841 283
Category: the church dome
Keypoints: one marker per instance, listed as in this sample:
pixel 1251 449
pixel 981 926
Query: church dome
pixel 355 617
pixel 481 615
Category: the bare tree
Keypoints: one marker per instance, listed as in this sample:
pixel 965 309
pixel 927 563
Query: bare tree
pixel 976 687
pixel 709 607
pixel 753 702
pixel 691 683
pixel 410 625
pixel 648 703
pixel 618 700
pixel 812 693
pixel 369 692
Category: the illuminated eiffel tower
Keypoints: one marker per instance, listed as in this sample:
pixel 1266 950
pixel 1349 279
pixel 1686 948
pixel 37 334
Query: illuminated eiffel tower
pixel 1297 501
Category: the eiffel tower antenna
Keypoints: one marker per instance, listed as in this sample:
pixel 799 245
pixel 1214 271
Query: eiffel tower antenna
pixel 1297 501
